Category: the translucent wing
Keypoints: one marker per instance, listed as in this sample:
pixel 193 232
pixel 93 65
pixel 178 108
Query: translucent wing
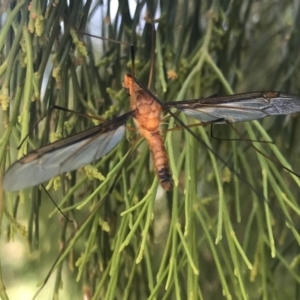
pixel 239 107
pixel 65 155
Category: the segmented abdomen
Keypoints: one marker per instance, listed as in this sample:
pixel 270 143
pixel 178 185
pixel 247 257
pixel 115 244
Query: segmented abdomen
pixel 160 158
pixel 147 115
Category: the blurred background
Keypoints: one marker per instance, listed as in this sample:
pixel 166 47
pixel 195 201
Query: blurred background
pixel 217 234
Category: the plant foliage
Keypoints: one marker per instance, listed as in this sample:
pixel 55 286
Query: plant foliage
pixel 225 231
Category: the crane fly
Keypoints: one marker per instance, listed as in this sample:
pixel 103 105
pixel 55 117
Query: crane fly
pixel 85 147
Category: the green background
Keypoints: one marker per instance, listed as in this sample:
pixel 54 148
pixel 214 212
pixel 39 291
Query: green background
pixel 214 236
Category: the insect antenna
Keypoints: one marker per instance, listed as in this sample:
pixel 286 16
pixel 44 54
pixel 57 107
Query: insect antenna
pixel 132 54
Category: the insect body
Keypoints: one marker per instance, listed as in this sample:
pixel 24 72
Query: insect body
pixel 83 148
pixel 147 115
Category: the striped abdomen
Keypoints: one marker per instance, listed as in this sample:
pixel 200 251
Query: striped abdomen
pixel 160 158
pixel 148 118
